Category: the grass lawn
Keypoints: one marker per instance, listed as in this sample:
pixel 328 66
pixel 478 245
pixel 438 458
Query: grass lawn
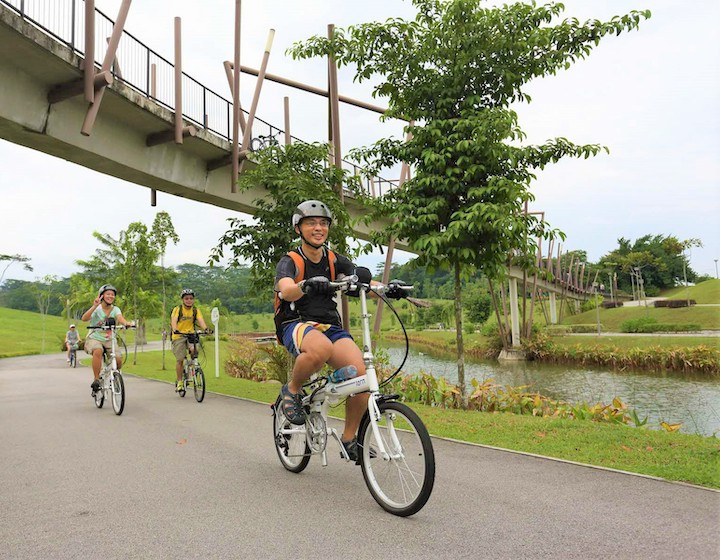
pixel 611 319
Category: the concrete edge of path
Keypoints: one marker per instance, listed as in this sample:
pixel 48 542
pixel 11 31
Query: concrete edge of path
pixel 535 455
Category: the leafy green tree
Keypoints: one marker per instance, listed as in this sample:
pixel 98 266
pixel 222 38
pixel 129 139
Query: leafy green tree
pixel 290 174
pixel 661 259
pixel 44 295
pixel 128 262
pixel 163 231
pixel 454 71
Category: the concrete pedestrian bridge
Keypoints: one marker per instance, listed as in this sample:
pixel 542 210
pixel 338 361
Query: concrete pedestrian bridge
pixel 132 134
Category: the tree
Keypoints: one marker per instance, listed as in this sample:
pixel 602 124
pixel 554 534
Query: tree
pixel 128 263
pixel 43 291
pixel 162 231
pixel 13 259
pixel 661 258
pixel 290 175
pixel 454 71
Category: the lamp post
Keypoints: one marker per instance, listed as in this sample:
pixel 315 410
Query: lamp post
pixel 716 270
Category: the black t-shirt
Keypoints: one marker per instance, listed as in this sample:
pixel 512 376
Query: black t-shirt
pixel 312 307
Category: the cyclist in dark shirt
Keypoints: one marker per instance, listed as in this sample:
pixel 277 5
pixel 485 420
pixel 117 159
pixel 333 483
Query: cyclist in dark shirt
pixel 308 323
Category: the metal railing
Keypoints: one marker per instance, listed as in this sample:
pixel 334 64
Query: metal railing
pixel 149 73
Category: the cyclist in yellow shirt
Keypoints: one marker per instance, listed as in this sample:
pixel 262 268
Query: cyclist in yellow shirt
pixel 184 319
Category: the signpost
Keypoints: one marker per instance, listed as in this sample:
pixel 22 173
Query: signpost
pixel 215 318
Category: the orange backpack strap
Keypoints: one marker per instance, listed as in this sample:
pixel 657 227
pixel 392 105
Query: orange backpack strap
pixel 331 260
pixel 299 261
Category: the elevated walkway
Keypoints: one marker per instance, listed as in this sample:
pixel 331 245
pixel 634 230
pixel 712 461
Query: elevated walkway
pixel 34 63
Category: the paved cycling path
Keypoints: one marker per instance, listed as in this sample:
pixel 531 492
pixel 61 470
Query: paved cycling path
pixel 172 478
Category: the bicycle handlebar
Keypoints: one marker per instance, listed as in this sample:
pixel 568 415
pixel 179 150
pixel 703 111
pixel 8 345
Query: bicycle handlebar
pixel 352 282
pixel 111 327
pixel 204 333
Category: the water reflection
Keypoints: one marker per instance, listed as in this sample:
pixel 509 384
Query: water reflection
pixel 661 397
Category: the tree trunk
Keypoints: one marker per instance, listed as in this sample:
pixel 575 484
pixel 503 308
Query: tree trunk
pixel 459 334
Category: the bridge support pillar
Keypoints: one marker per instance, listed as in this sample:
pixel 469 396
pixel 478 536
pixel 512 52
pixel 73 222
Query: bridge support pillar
pixel 553 309
pixel 514 314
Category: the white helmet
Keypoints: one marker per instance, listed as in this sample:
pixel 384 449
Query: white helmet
pixel 311 209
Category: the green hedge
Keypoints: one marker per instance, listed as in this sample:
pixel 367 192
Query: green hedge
pixel 650 325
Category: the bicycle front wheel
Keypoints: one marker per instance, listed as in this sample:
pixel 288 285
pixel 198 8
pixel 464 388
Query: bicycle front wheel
pixel 199 384
pixel 290 442
pixel 402 482
pixel 117 386
pixel 73 359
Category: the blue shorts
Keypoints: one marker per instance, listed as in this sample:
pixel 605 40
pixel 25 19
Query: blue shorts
pixel 294 333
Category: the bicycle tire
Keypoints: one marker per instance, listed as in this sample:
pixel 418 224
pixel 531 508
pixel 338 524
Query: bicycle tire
pixel 117 392
pixel 100 397
pixel 401 485
pixel 293 450
pixel 199 384
pixel 73 359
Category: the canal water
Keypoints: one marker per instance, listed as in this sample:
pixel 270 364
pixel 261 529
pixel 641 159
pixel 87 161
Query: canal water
pixel 693 401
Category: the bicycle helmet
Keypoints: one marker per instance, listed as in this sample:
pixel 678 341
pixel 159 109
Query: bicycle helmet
pixel 311 209
pixel 187 292
pixel 105 288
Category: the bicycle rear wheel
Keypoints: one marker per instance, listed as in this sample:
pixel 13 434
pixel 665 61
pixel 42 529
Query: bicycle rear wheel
pixel 117 388
pixel 292 448
pixel 199 384
pixel 401 484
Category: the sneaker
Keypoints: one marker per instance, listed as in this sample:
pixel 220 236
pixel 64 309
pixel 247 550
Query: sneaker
pixel 179 386
pixel 68 360
pixel 291 406
pixel 95 385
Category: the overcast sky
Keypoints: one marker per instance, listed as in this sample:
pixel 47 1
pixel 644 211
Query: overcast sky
pixel 651 96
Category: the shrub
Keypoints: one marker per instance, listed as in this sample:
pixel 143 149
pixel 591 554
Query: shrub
pixel 585 328
pixel 244 355
pixel 612 304
pixel 279 363
pixel 674 303
pixel 634 325
pixel 558 330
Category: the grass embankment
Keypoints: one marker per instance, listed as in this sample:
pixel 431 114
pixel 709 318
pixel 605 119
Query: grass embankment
pixel 673 456
pixel 702 293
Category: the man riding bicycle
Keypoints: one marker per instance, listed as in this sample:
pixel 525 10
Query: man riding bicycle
pixel 72 338
pixel 183 320
pixel 103 312
pixel 307 321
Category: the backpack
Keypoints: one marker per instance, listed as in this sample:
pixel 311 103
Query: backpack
pixel 299 260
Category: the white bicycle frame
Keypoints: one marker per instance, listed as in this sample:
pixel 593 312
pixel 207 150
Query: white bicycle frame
pixel 110 364
pixel 321 399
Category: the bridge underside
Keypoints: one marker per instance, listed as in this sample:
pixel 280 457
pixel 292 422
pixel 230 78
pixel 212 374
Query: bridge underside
pixel 34 63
